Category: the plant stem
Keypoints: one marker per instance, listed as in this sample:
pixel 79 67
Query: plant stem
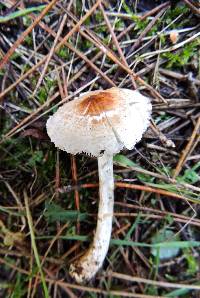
pixel 88 265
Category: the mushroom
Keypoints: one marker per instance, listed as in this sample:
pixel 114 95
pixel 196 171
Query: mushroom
pixel 100 123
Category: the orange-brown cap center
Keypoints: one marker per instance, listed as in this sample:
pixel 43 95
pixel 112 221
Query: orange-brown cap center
pixel 96 104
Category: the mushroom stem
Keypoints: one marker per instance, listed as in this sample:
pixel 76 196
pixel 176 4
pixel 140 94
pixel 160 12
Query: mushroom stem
pixel 88 265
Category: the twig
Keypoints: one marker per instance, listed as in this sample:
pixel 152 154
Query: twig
pixel 100 291
pixel 116 43
pixel 25 33
pixel 192 7
pixel 161 214
pixel 138 187
pixel 172 48
pixel 154 282
pixel 50 54
pixel 105 49
pixel 154 10
pixel 146 30
pixel 164 140
pixel 62 42
pixel 187 149
pixel 37 277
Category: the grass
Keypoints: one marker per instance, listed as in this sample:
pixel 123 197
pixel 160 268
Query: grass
pixel 118 242
pixel 20 13
pixel 34 246
pixel 48 203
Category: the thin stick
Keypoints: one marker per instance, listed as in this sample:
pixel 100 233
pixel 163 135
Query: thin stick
pixel 50 54
pixel 187 149
pixel 154 282
pixel 25 33
pixel 192 7
pixel 144 188
pixel 62 42
pixel 116 43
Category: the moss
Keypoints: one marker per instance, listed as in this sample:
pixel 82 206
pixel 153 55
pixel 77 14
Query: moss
pixel 2 72
pixel 183 56
pixel 42 94
pixel 171 14
pixel 28 40
pixel 15 56
pixel 63 53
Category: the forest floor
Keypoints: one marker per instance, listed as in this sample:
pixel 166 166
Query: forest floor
pixel 50 52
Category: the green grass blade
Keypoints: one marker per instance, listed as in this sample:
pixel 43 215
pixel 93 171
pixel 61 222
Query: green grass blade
pixel 33 242
pixel 178 292
pixel 20 13
pixel 121 242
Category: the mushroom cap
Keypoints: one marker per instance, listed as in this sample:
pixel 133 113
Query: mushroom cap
pixel 100 122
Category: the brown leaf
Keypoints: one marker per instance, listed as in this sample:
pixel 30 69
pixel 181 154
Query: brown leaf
pixel 36 133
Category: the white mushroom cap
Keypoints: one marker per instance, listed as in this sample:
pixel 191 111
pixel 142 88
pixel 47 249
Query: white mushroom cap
pixel 100 121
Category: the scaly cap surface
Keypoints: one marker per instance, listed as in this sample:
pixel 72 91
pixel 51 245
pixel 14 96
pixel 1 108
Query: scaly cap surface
pixel 100 121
